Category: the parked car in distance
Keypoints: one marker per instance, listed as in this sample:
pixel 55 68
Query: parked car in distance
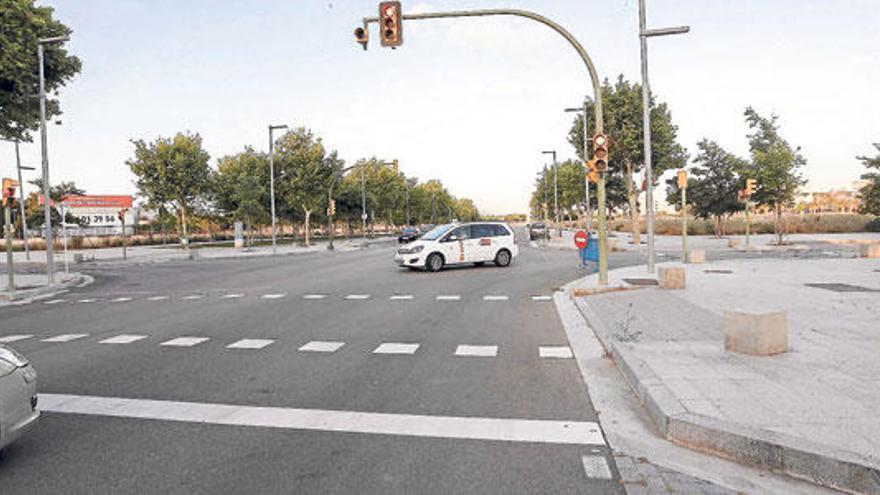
pixel 18 395
pixel 456 244
pixel 537 230
pixel 408 234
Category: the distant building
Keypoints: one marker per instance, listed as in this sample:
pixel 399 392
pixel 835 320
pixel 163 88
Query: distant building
pixel 832 201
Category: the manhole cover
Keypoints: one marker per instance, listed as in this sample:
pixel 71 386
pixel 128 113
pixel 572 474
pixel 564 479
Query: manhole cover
pixel 717 271
pixel 641 281
pixel 837 287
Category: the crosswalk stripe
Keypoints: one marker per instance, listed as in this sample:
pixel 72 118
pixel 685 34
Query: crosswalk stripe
pixel 495 298
pixel 55 301
pixel 231 296
pixel 185 341
pixel 15 338
pixel 542 298
pixel 321 346
pixel 401 297
pixel 90 300
pixel 65 337
pixel 315 296
pixel 596 467
pixel 561 352
pixel 123 339
pixel 396 348
pixel 121 299
pixel 359 297
pixel 272 296
pixel 157 298
pixel 477 350
pixel 250 344
pixel 193 297
pixel 448 298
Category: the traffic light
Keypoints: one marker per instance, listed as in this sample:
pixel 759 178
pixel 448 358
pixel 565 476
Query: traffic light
pixel 362 36
pixel 9 191
pixel 600 152
pixel 331 209
pixel 682 178
pixel 121 215
pixel 750 186
pixel 390 27
pixel 592 175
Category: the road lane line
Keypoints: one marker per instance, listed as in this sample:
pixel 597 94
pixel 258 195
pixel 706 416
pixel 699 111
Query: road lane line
pixel 193 297
pixel 542 298
pixel 396 348
pixel 495 298
pixel 401 297
pixel 562 352
pixel 121 299
pixel 272 296
pixel 250 344
pixel 157 298
pixel 15 338
pixel 357 297
pixel 596 466
pixel 123 339
pixel 477 350
pixel 67 337
pixel 185 341
pixel 231 296
pixel 55 301
pixel 315 296
pixel 321 346
pixel 448 298
pixel 453 427
pixel 85 301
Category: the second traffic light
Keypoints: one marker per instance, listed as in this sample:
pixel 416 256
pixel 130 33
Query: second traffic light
pixel 390 26
pixel 600 152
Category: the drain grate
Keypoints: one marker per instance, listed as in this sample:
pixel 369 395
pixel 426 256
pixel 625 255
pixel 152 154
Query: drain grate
pixel 717 271
pixel 641 282
pixel 838 287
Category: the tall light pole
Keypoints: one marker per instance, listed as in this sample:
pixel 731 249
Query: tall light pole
pixel 555 187
pixel 272 179
pixel 644 34
pixel 587 211
pixel 24 231
pixel 47 210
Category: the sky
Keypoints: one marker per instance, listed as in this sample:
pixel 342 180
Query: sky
pixel 472 102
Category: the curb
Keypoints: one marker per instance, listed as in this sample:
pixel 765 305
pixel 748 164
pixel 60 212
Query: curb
pixel 29 295
pixel 778 452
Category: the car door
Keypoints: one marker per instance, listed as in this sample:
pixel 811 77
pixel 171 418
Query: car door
pixel 455 245
pixel 483 248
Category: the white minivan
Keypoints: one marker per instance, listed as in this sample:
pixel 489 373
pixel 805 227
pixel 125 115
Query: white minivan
pixel 460 243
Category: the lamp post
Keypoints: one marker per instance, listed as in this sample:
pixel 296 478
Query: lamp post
pixel 588 213
pixel 47 210
pixel 272 179
pixel 644 34
pixel 555 187
pixel 24 231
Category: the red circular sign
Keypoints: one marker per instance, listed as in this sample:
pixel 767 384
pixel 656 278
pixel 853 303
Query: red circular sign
pixel 581 240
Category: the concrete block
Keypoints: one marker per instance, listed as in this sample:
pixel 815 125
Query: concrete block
pixel 870 250
pixel 697 256
pixel 671 277
pixel 239 243
pixel 733 242
pixel 756 334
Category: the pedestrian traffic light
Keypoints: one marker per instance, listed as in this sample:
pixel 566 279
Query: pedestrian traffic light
pixel 390 27
pixel 750 186
pixel 600 152
pixel 362 36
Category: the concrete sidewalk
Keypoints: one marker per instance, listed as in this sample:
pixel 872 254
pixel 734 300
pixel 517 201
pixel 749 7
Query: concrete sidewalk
pixel 811 412
pixel 29 286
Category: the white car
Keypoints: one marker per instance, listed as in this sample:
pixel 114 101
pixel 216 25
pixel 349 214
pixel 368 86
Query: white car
pixel 455 244
pixel 18 395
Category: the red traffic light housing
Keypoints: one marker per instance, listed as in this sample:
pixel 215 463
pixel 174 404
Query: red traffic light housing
pixel 600 152
pixel 390 27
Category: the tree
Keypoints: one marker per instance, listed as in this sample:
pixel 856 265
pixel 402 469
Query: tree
pixel 870 192
pixel 305 170
pixel 21 25
pixel 713 184
pixel 34 210
pixel 241 187
pixel 622 103
pixel 775 166
pixel 172 172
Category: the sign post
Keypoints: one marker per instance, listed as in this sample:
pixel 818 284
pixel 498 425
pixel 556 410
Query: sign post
pixel 9 186
pixel 588 250
pixel 683 184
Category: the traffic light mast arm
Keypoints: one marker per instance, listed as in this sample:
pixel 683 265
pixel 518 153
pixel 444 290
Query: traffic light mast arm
pixel 594 76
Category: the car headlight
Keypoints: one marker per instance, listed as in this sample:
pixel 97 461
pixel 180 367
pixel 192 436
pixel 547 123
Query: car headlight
pixel 10 356
pixel 416 249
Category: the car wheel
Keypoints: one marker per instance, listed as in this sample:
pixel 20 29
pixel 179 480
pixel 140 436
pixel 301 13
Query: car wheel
pixel 502 258
pixel 434 263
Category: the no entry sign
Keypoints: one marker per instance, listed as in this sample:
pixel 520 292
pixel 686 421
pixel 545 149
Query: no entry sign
pixel 580 239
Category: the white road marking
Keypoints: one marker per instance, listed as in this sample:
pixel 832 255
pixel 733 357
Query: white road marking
pixel 358 297
pixel 15 338
pixel 231 296
pixel 321 346
pixel 542 298
pixel 596 466
pixel 250 344
pixel 448 298
pixel 157 298
pixel 396 348
pixel 185 341
pixel 315 296
pixel 66 337
pixel 193 297
pixel 121 299
pixel 495 298
pixel 477 350
pixel 55 301
pixel 456 427
pixel 86 300
pixel 272 296
pixel 123 339
pixel 554 352
pixel 401 297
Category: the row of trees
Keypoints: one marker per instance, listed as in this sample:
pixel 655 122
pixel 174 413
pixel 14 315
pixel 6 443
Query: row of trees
pixel 870 192
pixel 174 175
pixel 715 178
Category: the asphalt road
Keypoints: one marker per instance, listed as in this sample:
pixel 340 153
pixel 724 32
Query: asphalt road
pixel 425 444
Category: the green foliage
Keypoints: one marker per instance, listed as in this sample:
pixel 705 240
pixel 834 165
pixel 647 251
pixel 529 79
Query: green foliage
pixel 21 25
pixel 241 187
pixel 870 193
pixel 873 225
pixel 35 212
pixel 570 189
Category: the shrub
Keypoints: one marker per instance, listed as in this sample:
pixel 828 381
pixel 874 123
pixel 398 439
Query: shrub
pixel 873 225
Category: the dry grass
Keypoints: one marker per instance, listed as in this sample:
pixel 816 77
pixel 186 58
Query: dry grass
pixel 762 224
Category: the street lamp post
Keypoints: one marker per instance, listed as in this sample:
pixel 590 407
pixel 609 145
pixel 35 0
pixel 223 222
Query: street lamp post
pixel 555 187
pixel 587 212
pixel 47 210
pixel 272 180
pixel 363 203
pixel 644 34
pixel 24 231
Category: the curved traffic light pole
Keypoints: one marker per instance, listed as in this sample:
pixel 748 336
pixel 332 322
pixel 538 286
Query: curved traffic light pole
pixel 330 226
pixel 594 80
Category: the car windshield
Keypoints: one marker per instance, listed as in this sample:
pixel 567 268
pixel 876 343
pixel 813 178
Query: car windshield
pixel 436 232
pixel 408 230
pixel 538 225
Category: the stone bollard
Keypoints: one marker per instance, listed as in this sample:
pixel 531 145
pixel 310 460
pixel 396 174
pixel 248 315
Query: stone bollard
pixel 671 277
pixel 756 334
pixel 870 250
pixel 697 256
pixel 733 243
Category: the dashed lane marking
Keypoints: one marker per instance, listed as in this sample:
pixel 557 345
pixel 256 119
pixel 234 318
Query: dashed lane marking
pixel 562 352
pixel 495 298
pixel 86 301
pixel 477 350
pixel 193 297
pixel 66 337
pixel 596 467
pixel 272 296
pixel 542 298
pixel 401 297
pixel 315 296
pixel 15 338
pixel 231 296
pixel 121 299
pixel 157 298
pixel 321 346
pixel 396 348
pixel 55 301
pixel 123 339
pixel 250 344
pixel 452 427
pixel 185 341
pixel 448 298
pixel 357 297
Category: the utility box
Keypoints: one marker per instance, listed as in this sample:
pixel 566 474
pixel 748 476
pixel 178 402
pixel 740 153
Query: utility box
pixel 756 334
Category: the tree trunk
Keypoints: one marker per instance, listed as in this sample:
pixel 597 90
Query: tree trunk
pixel 632 196
pixel 777 226
pixel 306 225
pixel 183 224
